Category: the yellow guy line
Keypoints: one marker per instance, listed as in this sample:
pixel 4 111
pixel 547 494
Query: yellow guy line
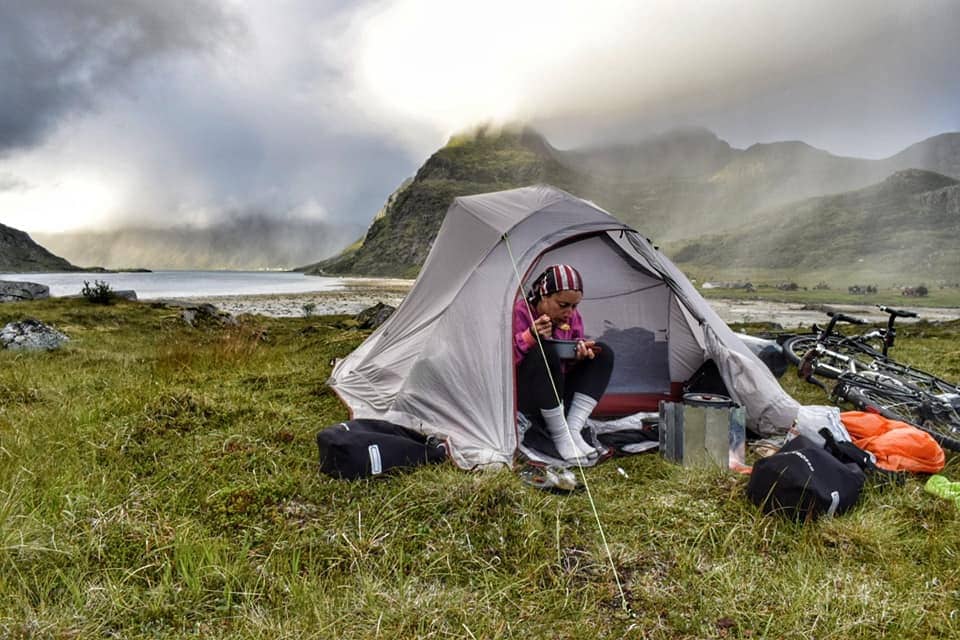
pixel 583 475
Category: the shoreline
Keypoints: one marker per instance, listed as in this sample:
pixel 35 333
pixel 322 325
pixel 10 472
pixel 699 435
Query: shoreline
pixel 355 296
pixel 360 294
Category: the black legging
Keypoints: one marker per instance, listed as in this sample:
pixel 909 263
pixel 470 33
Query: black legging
pixel 589 377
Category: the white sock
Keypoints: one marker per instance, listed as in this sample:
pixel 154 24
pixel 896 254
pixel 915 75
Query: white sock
pixel 557 428
pixel 581 406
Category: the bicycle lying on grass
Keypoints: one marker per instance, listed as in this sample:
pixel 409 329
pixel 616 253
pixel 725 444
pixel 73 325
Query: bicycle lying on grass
pixel 869 379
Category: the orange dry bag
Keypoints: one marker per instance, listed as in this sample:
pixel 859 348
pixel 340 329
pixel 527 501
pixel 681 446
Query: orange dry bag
pixel 897 445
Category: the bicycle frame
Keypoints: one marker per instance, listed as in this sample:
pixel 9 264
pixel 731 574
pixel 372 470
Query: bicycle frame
pixel 878 383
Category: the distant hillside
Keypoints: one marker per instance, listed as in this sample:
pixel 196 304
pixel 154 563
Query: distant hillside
pixel 902 230
pixel 940 154
pixel 673 187
pixel 20 254
pixel 249 242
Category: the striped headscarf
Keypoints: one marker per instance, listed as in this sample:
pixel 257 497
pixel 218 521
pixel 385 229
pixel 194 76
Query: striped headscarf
pixel 557 277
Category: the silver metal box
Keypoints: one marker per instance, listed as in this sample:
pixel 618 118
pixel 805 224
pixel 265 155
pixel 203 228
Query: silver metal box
pixel 704 429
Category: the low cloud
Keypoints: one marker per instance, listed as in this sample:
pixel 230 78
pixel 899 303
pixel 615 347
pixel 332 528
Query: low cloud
pixel 9 182
pixel 854 77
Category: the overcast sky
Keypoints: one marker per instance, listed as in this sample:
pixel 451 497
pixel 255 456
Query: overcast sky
pixel 187 111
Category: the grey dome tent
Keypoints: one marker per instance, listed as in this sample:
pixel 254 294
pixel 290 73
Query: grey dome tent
pixel 442 364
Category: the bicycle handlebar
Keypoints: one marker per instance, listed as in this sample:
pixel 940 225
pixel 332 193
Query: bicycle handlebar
pixel 842 317
pixel 899 313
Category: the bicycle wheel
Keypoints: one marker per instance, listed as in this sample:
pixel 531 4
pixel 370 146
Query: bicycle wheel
pixel 929 414
pixel 839 353
pixel 797 346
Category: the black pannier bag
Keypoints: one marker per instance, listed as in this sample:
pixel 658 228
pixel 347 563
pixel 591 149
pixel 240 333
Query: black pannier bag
pixel 366 447
pixel 804 481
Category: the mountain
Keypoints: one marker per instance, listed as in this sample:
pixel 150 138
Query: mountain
pixel 682 153
pixel 901 230
pixel 674 187
pixel 247 242
pixel 940 154
pixel 399 239
pixel 20 254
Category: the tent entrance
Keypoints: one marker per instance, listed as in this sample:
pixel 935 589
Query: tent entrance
pixel 628 307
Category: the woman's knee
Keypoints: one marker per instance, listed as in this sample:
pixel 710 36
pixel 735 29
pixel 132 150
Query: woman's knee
pixel 534 364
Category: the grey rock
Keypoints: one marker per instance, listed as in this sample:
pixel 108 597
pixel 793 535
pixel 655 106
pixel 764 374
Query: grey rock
pixel 12 291
pixel 373 317
pixel 205 314
pixel 126 294
pixel 30 334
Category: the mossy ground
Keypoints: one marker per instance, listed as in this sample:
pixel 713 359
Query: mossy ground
pixel 160 481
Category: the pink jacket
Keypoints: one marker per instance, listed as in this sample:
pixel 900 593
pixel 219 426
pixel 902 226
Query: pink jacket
pixel 523 338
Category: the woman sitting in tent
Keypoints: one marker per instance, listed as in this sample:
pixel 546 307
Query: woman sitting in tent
pixel 549 312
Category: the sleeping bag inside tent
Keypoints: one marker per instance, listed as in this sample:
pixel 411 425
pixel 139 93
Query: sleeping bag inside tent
pixel 442 364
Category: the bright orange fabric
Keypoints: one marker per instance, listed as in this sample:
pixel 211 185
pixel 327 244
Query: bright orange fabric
pixel 898 446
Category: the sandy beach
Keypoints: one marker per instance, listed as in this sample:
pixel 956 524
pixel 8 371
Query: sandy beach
pixel 356 295
pixel 360 293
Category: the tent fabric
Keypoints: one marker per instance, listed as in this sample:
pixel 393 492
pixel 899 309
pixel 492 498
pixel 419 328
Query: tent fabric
pixel 442 363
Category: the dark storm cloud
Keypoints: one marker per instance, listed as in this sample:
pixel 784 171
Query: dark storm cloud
pixel 57 56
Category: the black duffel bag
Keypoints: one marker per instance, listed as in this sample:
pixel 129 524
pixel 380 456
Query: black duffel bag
pixel 366 447
pixel 804 481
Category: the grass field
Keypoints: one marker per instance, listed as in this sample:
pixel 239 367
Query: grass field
pixel 160 481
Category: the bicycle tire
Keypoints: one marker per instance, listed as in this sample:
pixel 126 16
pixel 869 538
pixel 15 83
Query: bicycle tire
pixel 795 347
pixel 903 406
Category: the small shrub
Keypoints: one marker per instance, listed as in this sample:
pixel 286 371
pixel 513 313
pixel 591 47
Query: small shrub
pixel 308 309
pixel 862 289
pixel 920 291
pixel 821 286
pixel 99 293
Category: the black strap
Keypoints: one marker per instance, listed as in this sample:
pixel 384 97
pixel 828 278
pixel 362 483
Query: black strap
pixel 847 452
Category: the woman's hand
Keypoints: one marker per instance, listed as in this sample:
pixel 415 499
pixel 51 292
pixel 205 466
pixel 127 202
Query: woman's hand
pixel 544 326
pixel 585 350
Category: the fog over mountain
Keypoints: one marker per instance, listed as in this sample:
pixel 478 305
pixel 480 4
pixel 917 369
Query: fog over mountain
pixel 161 114
pixel 248 242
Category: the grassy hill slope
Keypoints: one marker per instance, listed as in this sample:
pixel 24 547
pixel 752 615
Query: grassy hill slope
pixel 901 230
